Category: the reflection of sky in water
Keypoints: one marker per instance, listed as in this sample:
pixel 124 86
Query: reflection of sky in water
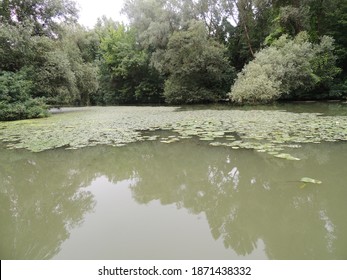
pixel 330 228
pixel 234 173
pixel 150 231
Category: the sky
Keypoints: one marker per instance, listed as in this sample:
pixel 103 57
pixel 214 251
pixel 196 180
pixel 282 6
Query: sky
pixel 91 10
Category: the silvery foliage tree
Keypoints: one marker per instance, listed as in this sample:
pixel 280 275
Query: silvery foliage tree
pixel 156 21
pixel 288 66
pixel 45 15
pixel 181 38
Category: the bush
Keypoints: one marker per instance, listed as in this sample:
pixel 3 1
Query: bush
pixel 15 100
pixel 288 67
pixel 30 109
pixel 255 87
pixel 339 89
pixel 14 87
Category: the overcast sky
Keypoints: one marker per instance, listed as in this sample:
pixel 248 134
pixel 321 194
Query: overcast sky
pixel 91 10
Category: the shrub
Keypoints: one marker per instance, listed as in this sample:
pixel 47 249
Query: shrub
pixel 30 109
pixel 15 100
pixel 286 67
pixel 14 87
pixel 255 87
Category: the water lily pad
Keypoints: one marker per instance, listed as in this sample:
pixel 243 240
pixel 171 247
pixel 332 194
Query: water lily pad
pixel 286 156
pixel 272 153
pixel 310 180
pixel 270 131
pixel 172 140
pixel 216 144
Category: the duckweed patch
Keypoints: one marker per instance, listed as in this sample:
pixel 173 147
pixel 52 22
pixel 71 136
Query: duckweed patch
pixel 260 130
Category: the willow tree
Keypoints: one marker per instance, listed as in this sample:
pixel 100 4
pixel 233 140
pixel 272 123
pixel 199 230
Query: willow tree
pixel 288 68
pixel 45 15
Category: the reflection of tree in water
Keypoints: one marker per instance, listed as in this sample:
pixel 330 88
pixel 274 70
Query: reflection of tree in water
pixel 43 195
pixel 41 200
pixel 246 199
pixel 242 193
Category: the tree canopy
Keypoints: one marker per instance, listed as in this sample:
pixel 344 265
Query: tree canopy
pixel 171 51
pixel 196 67
pixel 288 67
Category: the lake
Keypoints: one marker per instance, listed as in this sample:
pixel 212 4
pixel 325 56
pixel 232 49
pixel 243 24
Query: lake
pixel 164 190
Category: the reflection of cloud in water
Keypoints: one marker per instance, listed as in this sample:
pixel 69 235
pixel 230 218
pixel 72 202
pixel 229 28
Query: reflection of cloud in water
pixel 330 228
pixel 235 173
pixel 218 178
pixel 266 186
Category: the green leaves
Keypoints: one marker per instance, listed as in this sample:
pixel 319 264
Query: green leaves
pixel 288 66
pixel 271 132
pixel 15 98
pixel 60 69
pixel 197 67
pixel 14 87
pixel 127 75
pixel 44 15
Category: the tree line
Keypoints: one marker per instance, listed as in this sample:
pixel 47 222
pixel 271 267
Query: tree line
pixel 172 51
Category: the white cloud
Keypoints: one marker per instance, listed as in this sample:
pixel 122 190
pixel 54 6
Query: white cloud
pixel 91 10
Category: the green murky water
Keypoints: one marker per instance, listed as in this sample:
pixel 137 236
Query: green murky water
pixel 184 200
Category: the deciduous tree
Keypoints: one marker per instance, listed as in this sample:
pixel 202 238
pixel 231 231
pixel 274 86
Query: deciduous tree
pixel 196 65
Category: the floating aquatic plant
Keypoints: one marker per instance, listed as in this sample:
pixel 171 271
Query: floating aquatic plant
pixel 286 156
pixel 307 180
pixel 263 131
pixel 310 180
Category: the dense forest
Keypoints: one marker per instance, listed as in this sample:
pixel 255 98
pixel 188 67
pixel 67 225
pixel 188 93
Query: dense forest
pixel 171 52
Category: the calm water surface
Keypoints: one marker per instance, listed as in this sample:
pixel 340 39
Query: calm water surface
pixel 185 200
